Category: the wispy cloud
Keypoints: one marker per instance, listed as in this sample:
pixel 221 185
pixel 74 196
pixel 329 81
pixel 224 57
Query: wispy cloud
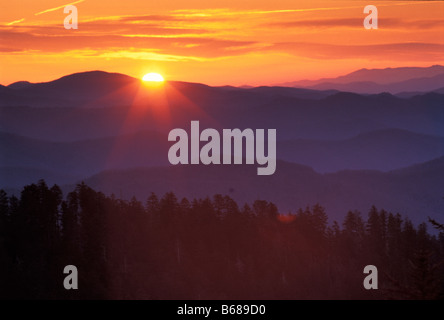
pixel 15 22
pixel 42 12
pixel 57 8
pixel 173 45
pixel 356 22
pixel 194 35
pixel 202 13
pixel 148 55
pixel 420 51
pixel 227 12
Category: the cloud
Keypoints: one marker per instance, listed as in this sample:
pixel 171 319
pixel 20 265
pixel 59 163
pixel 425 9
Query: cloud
pixel 400 51
pixel 99 27
pixel 357 23
pixel 204 47
pixel 218 33
pixel 7 49
pixel 57 8
pixel 15 21
pixel 174 45
pixel 149 17
pixel 202 13
pixel 147 55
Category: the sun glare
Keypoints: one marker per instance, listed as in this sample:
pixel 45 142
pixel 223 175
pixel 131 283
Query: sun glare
pixel 153 77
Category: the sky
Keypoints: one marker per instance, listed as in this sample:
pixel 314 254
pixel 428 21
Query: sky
pixel 228 42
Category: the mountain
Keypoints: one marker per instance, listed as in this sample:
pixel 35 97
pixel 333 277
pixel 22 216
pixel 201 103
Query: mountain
pixel 372 81
pixel 440 90
pixel 420 84
pixel 13 178
pixel 380 76
pixel 297 93
pixel 415 191
pixel 111 130
pixel 381 150
pixel 83 158
pixel 103 89
pixel 79 89
pixel 72 108
pixel 20 85
pixel 409 94
pixel 99 89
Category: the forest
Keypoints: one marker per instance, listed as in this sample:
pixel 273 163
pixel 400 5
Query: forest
pixel 212 248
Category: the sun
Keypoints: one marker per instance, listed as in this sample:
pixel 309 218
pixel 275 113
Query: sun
pixel 154 77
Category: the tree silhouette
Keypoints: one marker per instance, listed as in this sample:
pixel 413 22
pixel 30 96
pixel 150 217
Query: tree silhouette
pixel 209 248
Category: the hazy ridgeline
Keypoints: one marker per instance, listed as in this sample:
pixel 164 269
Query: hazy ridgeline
pixel 344 150
pixel 170 248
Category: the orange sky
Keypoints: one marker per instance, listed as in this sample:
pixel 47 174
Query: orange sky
pixel 216 42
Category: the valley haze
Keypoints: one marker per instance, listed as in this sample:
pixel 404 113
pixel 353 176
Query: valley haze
pixel 372 137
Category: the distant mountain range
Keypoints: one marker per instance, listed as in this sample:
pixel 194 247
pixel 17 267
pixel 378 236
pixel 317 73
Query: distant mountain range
pixel 85 157
pixel 382 150
pixel 415 191
pixel 403 81
pixel 72 109
pixel 344 150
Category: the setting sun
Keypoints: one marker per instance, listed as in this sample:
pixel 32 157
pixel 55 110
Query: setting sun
pixel 153 77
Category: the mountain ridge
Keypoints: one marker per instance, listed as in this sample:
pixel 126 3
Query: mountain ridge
pixel 338 192
pixel 423 84
pixel 379 75
pixel 91 122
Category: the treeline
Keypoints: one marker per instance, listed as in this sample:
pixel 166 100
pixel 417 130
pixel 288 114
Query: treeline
pixel 206 249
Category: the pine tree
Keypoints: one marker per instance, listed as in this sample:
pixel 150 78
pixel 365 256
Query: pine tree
pixel 354 233
pixel 436 224
pixel 425 282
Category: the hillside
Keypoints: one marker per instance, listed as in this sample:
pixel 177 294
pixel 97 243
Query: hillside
pixel 412 192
